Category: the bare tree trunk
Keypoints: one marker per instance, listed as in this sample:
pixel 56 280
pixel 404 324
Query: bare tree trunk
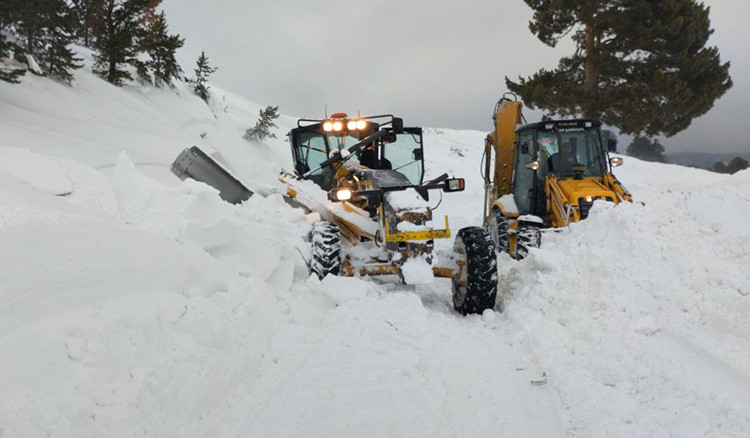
pixel 591 69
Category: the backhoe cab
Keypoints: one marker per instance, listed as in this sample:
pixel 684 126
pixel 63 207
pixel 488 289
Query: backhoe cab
pixel 545 174
pixel 372 169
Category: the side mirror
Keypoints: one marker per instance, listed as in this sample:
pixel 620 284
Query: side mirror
pixel 454 185
pixel 398 125
pixel 418 154
pixel 391 137
pixel 612 145
pixel 615 161
pixel 533 165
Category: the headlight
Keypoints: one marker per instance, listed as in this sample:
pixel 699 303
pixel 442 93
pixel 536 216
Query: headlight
pixel 337 126
pixel 361 124
pixel 327 126
pixel 342 194
pixel 589 199
pixel 533 165
pixel 351 125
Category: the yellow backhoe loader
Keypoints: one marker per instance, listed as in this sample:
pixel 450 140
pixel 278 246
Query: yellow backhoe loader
pixel 541 175
pixel 375 214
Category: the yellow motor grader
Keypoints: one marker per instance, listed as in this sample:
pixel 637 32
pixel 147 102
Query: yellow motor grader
pixel 546 174
pixel 375 214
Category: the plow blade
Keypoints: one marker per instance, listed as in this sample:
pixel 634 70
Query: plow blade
pixel 195 164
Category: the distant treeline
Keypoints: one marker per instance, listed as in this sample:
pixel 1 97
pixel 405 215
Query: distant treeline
pixel 650 149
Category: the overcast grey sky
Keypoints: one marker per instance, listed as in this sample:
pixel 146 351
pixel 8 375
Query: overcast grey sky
pixel 435 63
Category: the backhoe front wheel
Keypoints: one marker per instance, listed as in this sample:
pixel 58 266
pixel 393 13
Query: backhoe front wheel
pixel 474 284
pixel 499 231
pixel 325 239
pixel 514 236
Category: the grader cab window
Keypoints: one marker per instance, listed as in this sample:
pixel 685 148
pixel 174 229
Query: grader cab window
pixel 311 151
pixel 405 155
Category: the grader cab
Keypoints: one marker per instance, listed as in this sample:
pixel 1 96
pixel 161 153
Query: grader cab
pixel 376 216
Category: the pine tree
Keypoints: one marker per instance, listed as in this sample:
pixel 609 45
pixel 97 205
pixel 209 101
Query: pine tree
pixel 640 65
pixel 262 129
pixel 609 140
pixel 647 149
pixel 162 65
pixel 734 166
pixel 117 31
pixel 202 71
pixel 47 28
pixel 8 49
pixel 84 20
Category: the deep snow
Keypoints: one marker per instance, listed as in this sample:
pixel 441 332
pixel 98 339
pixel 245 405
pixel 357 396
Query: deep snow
pixel 133 304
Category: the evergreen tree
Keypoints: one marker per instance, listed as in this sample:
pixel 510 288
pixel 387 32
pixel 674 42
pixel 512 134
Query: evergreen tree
pixel 202 71
pixel 84 20
pixel 734 166
pixel 162 65
pixel 262 129
pixel 117 32
pixel 640 65
pixel 647 150
pixel 609 140
pixel 8 49
pixel 47 28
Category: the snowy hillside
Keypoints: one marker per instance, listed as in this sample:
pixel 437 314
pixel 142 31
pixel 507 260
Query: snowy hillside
pixel 132 304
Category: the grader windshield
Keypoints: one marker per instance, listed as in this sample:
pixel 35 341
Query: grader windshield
pixel 313 144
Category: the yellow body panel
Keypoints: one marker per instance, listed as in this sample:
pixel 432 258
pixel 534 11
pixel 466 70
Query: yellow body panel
pixel 387 269
pixel 409 236
pixel 563 196
pixel 502 140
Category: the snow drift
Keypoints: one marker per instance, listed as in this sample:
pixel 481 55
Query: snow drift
pixel 134 304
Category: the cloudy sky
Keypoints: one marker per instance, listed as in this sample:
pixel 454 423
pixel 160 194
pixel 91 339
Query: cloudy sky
pixel 436 63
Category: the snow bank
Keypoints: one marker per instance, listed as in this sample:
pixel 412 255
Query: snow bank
pixel 134 304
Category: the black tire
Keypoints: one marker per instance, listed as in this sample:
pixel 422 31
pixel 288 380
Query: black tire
pixel 325 239
pixel 474 284
pixel 529 235
pixel 499 231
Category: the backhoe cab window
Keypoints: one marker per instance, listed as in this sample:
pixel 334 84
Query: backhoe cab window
pixel 560 150
pixel 523 186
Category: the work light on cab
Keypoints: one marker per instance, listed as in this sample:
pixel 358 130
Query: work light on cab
pixel 454 185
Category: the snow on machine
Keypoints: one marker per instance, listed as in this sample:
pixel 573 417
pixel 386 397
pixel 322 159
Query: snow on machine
pixel 376 219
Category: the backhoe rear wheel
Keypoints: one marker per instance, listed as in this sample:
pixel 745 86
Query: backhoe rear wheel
pixel 474 284
pixel 325 239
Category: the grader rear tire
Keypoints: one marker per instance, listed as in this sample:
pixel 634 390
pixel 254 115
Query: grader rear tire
pixel 474 285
